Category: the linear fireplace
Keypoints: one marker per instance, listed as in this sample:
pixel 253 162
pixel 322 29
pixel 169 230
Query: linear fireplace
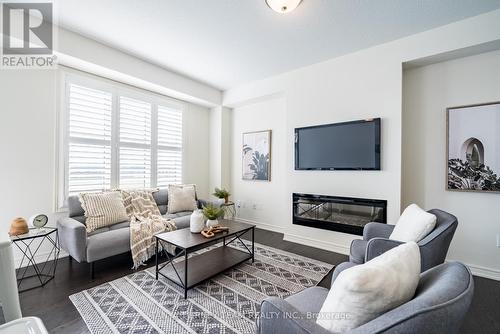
pixel 342 214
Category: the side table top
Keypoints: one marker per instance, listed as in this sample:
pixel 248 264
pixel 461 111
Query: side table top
pixel 34 233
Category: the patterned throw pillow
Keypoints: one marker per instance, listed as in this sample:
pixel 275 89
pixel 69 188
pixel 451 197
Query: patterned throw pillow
pixel 181 198
pixel 103 209
pixel 140 202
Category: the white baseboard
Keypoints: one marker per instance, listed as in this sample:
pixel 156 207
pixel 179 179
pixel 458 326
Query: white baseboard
pixel 329 246
pixel 484 272
pixel 264 226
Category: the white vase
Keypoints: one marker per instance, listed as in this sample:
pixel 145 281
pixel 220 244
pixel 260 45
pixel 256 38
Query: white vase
pixel 197 221
pixel 212 222
pixel 221 201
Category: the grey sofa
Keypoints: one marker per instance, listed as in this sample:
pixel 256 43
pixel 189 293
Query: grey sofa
pixel 441 301
pixel 433 248
pixel 107 241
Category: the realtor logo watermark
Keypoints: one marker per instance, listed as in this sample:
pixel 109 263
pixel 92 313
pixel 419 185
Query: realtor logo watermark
pixel 27 35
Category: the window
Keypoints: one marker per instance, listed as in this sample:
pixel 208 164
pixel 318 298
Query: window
pixel 169 146
pixel 135 143
pixel 118 138
pixel 89 147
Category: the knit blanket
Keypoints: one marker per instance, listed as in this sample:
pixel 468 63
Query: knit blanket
pixel 145 222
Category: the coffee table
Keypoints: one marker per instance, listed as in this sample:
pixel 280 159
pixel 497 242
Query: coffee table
pixel 188 273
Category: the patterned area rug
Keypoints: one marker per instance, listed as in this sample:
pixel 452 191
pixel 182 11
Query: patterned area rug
pixel 227 303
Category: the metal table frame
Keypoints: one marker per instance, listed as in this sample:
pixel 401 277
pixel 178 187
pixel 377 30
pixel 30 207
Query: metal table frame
pixel 43 271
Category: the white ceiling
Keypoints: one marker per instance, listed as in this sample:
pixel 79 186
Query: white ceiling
pixel 228 42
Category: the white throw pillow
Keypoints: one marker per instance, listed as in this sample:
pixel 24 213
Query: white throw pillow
pixel 364 292
pixel 413 225
pixel 181 197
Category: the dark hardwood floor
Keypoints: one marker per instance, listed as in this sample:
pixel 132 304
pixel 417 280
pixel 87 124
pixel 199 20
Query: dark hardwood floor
pixel 52 305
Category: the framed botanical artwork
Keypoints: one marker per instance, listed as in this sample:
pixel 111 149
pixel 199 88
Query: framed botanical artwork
pixel 256 155
pixel 473 147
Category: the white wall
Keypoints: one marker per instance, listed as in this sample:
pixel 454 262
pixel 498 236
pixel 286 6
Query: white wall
pixel 361 85
pixel 220 139
pixel 196 148
pixel 428 91
pixel 29 107
pixel 264 115
pixel 27 144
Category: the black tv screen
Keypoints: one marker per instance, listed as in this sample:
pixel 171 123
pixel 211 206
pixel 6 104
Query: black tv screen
pixel 340 146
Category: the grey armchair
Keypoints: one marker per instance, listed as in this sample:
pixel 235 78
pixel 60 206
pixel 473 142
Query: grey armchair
pixel 441 301
pixel 433 248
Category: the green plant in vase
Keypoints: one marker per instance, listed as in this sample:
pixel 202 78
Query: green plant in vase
pixel 222 194
pixel 212 213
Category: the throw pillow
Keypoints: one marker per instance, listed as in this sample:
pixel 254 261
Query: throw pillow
pixel 103 209
pixel 364 292
pixel 140 201
pixel 413 225
pixel 181 198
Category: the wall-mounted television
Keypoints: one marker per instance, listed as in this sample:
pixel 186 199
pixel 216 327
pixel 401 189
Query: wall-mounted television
pixel 340 146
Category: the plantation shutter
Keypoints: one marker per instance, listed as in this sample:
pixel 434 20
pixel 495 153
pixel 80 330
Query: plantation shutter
pixel 134 143
pixel 169 156
pixel 88 164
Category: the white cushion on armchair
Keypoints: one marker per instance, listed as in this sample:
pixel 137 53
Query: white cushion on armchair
pixel 413 225
pixel 364 292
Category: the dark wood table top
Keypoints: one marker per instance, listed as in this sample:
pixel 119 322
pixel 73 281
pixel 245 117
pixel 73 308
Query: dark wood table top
pixel 185 239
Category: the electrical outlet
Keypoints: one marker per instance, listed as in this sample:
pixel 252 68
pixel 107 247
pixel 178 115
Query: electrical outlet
pixel 498 240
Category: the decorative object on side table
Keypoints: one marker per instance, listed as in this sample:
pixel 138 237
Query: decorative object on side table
pixel 222 193
pixel 18 226
pixel 473 160
pixel 197 221
pixel 212 213
pixel 38 220
pixel 256 155
pixel 38 272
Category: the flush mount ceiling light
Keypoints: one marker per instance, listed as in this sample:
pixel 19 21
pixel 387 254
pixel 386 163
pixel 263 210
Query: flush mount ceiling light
pixel 283 6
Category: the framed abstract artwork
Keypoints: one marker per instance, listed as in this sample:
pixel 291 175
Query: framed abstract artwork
pixel 473 147
pixel 256 155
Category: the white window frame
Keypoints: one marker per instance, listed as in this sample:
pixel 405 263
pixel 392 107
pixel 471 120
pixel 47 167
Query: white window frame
pixel 117 89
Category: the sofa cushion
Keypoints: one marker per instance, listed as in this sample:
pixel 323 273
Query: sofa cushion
pixel 178 214
pixel 182 221
pixel 75 207
pixel 364 292
pixel 124 224
pixel 413 225
pixel 109 243
pixel 181 198
pixel 161 199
